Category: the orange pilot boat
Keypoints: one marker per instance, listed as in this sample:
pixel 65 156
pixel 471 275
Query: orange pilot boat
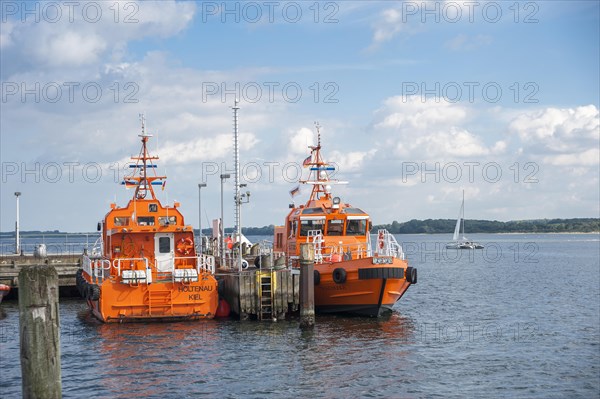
pixel 145 266
pixel 349 277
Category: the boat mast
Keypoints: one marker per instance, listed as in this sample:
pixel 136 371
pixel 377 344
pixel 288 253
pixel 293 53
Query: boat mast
pixel 144 171
pixel 463 214
pixel 317 167
pixel 142 182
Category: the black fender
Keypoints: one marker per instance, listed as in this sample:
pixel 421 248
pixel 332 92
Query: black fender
pixel 339 275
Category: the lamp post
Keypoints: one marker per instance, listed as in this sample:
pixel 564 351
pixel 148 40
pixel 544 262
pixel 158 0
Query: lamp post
pixel 224 177
pixel 200 185
pixel 17 243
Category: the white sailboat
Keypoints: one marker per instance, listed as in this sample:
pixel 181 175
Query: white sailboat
pixel 463 242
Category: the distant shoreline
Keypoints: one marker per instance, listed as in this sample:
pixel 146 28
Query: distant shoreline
pixel 428 226
pixel 62 233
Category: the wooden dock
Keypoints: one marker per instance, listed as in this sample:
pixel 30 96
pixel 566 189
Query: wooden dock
pixel 65 265
pixel 267 294
pixel 261 294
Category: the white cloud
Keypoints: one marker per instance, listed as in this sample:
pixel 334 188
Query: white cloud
pixel 464 42
pixel 589 157
pixel 387 26
pixel 559 130
pixel 417 129
pixel 412 112
pixel 352 161
pixel 69 48
pixel 298 142
pixel 6 28
pixel 204 149
pixel 86 35
pixel 411 17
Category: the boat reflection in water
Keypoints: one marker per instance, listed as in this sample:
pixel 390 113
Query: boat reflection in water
pixel 155 353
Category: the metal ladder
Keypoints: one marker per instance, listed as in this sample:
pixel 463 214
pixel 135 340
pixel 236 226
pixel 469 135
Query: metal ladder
pixel 266 296
pixel 160 301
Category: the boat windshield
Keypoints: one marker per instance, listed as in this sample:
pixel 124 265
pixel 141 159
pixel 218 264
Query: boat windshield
pixel 167 220
pixel 146 220
pixel 356 227
pixel 335 227
pixel 121 221
pixel 307 225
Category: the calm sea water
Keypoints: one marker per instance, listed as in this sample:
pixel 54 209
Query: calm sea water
pixel 518 319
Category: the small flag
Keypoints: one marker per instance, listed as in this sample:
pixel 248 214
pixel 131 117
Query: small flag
pixel 307 161
pixel 295 191
pixel 129 184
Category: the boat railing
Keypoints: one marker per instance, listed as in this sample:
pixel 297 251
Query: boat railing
pixel 200 263
pixel 315 237
pixel 97 269
pixel 337 253
pixel 387 245
pixel 205 263
pixel 121 264
pixel 101 270
pixel 98 247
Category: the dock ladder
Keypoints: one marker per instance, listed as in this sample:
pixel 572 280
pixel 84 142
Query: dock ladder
pixel 266 295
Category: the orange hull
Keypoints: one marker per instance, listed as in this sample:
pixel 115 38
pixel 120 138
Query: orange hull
pixel 157 301
pixel 368 289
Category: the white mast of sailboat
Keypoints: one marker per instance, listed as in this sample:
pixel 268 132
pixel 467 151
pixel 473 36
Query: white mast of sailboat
pixel 463 216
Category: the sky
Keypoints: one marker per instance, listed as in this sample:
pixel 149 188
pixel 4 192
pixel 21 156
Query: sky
pixel 417 101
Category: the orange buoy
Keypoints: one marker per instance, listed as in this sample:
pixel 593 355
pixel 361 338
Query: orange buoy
pixel 223 309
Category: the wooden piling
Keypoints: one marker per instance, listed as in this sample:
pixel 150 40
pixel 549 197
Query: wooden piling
pixel 39 332
pixel 307 286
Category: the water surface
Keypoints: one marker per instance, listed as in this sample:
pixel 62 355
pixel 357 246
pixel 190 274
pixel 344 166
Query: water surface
pixel 518 319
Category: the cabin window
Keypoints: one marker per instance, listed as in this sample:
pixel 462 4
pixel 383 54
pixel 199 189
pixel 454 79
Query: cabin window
pixel 152 207
pixel 335 227
pixel 307 225
pixel 312 211
pixel 353 210
pixel 164 245
pixel 167 220
pixel 356 227
pixel 279 241
pixel 121 221
pixel 146 220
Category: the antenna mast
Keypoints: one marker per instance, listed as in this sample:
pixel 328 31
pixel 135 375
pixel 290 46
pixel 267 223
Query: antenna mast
pixel 236 165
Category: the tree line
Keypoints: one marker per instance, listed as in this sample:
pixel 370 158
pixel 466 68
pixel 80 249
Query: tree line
pixel 441 226
pixel 446 226
pixel 433 226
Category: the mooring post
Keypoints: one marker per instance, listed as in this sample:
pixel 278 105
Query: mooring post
pixel 307 285
pixel 39 332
